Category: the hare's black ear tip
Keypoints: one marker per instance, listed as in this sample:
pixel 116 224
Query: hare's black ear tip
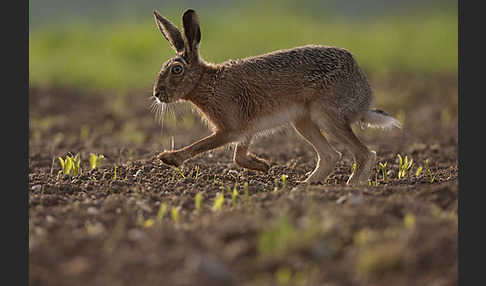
pixel 189 11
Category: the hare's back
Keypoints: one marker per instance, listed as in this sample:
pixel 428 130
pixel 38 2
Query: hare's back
pixel 306 64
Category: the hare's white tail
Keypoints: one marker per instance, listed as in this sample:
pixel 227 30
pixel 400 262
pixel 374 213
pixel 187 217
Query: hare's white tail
pixel 375 118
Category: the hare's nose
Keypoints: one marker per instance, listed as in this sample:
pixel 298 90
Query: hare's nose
pixel 161 95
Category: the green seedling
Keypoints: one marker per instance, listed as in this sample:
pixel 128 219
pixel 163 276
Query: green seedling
pixel 409 221
pixel 283 275
pixel 52 165
pixel 76 165
pixel 197 172
pixel 224 188
pixel 174 213
pixel 66 165
pixel 294 164
pixel 84 132
pixel 404 166
pixel 95 160
pixel 353 168
pixel 180 171
pixel 234 196
pixel 218 202
pixel 162 211
pixel 245 191
pixel 140 220
pixel 284 181
pixel 70 165
pixel 419 171
pixel 275 188
pixel 198 200
pixel 59 174
pixel 148 223
pixel 114 173
pixel 374 183
pixel 383 170
pixel 429 172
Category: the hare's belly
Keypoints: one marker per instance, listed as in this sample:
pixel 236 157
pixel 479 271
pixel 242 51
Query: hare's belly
pixel 276 119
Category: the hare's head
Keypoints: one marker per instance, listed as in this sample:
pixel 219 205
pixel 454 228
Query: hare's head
pixel 180 74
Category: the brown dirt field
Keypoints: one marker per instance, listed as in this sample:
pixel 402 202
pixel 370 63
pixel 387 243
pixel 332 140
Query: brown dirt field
pixel 93 230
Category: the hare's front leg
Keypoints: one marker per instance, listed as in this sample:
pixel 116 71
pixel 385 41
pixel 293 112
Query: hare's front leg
pixel 177 157
pixel 245 159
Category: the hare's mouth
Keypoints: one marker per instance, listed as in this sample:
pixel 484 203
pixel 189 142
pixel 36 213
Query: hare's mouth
pixel 162 96
pixel 159 108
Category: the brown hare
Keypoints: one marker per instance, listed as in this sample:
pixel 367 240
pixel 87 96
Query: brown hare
pixel 311 87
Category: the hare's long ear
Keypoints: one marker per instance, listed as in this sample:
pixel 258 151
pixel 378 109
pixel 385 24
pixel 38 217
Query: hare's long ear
pixel 170 32
pixel 192 31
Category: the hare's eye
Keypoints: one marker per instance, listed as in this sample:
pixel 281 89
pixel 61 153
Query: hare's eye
pixel 177 69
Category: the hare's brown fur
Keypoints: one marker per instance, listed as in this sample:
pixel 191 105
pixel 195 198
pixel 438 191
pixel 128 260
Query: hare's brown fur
pixel 311 87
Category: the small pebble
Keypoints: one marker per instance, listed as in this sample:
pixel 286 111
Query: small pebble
pixel 36 188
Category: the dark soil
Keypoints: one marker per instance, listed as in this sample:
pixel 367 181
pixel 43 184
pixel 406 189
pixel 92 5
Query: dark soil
pixel 93 229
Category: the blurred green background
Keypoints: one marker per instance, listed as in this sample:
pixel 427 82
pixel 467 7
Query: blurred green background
pixel 116 45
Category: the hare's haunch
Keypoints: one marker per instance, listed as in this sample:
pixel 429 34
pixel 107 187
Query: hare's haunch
pixel 310 87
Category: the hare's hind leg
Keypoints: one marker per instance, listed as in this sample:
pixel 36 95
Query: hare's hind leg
pixel 364 158
pixel 245 159
pixel 327 156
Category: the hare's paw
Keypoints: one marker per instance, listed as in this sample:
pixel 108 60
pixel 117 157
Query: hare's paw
pixel 171 158
pixel 252 162
pixel 260 165
pixel 313 181
pixel 361 175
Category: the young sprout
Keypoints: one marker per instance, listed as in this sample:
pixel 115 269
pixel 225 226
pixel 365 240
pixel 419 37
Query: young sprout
pixel 70 165
pixel 140 220
pixel 95 160
pixel 52 165
pixel 174 213
pixel 66 165
pixel 372 183
pixel 76 169
pixel 245 190
pixel 161 212
pixel 197 172
pixel 294 164
pixel 180 172
pixel 409 221
pixel 234 195
pixel 198 200
pixel 224 188
pixel 148 223
pixel 84 132
pixel 114 173
pixel 284 181
pixel 404 166
pixel 353 168
pixel 383 170
pixel 218 202
pixel 59 175
pixel 419 171
pixel 429 172
pixel 275 188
